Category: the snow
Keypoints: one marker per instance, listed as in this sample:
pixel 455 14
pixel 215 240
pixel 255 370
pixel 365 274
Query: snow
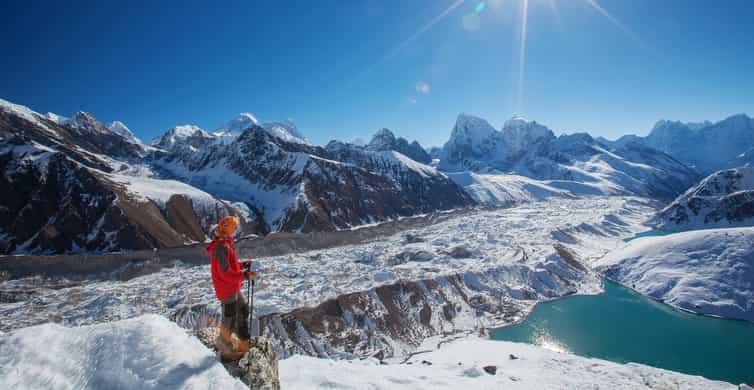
pixel 512 253
pixel 231 130
pixel 704 271
pixel 147 352
pixel 285 130
pixel 272 200
pixel 122 130
pixel 160 191
pixel 491 189
pixel 151 352
pixel 459 365
pixel 26 113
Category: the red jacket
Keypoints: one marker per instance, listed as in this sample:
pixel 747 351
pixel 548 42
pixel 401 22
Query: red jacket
pixel 227 283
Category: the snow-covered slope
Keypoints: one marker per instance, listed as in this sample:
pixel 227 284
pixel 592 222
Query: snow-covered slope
pixel 299 187
pixel 151 352
pixel 459 364
pixel 480 269
pixel 147 352
pixel 704 271
pixel 723 199
pixel 577 162
pixel 706 146
pixel 82 186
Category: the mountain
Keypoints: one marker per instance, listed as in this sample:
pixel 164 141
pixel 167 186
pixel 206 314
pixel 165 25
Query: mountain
pixel 705 146
pixel 385 140
pixel 184 136
pixel 722 199
pixel 706 271
pixel 78 187
pixel 300 187
pixel 576 162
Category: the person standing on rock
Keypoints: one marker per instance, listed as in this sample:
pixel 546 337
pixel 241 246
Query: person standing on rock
pixel 228 275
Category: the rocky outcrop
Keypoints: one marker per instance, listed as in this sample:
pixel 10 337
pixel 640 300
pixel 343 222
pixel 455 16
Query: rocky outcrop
pixel 385 140
pixel 723 199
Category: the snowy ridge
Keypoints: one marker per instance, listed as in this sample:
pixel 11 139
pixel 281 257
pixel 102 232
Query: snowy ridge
pixel 723 199
pixel 460 364
pixel 706 146
pixel 703 271
pixel 152 352
pixel 577 162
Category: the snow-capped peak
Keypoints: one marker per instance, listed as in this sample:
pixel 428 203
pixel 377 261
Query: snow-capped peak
pixel 231 130
pixel 237 125
pixel 383 139
pixel 84 119
pixel 470 129
pixel 285 130
pixel 179 134
pixel 121 129
pixel 59 119
pixel 518 132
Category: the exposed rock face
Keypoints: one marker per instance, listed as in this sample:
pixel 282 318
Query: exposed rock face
pixel 723 199
pixel 385 140
pixel 299 187
pixel 68 197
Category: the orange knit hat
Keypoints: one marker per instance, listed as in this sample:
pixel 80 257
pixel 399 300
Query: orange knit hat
pixel 227 226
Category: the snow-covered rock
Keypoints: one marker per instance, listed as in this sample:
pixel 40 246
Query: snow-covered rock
pixel 459 364
pixel 385 140
pixel 706 146
pixel 576 161
pixel 81 186
pixel 191 137
pixel 121 129
pixel 704 271
pixel 152 352
pixel 723 199
pixel 147 352
pixel 300 187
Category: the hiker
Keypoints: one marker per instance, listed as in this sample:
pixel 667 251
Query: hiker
pixel 228 275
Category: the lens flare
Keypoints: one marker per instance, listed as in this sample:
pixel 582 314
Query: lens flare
pixel 397 49
pixel 617 23
pixel 522 57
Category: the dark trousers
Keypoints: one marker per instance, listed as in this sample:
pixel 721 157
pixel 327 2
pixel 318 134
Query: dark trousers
pixel 236 316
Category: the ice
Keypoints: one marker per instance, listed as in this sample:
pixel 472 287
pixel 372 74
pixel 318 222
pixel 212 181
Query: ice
pixel 507 247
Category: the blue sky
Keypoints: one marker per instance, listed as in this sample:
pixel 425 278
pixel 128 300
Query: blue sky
pixel 343 69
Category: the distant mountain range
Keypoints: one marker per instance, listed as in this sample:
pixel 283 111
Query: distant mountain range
pixel 81 185
pixel 576 163
pixel 706 147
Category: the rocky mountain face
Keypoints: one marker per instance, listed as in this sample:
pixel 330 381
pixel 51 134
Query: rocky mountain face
pixel 706 146
pixel 576 162
pixel 300 187
pixel 723 199
pixel 385 140
pixel 71 192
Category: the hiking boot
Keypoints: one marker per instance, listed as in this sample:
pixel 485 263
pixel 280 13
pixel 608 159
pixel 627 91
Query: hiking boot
pixel 225 345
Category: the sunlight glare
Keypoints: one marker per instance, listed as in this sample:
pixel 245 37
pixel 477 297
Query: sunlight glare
pixel 522 57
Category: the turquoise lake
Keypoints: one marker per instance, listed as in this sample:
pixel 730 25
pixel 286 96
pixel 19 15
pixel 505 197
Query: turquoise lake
pixel 624 326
